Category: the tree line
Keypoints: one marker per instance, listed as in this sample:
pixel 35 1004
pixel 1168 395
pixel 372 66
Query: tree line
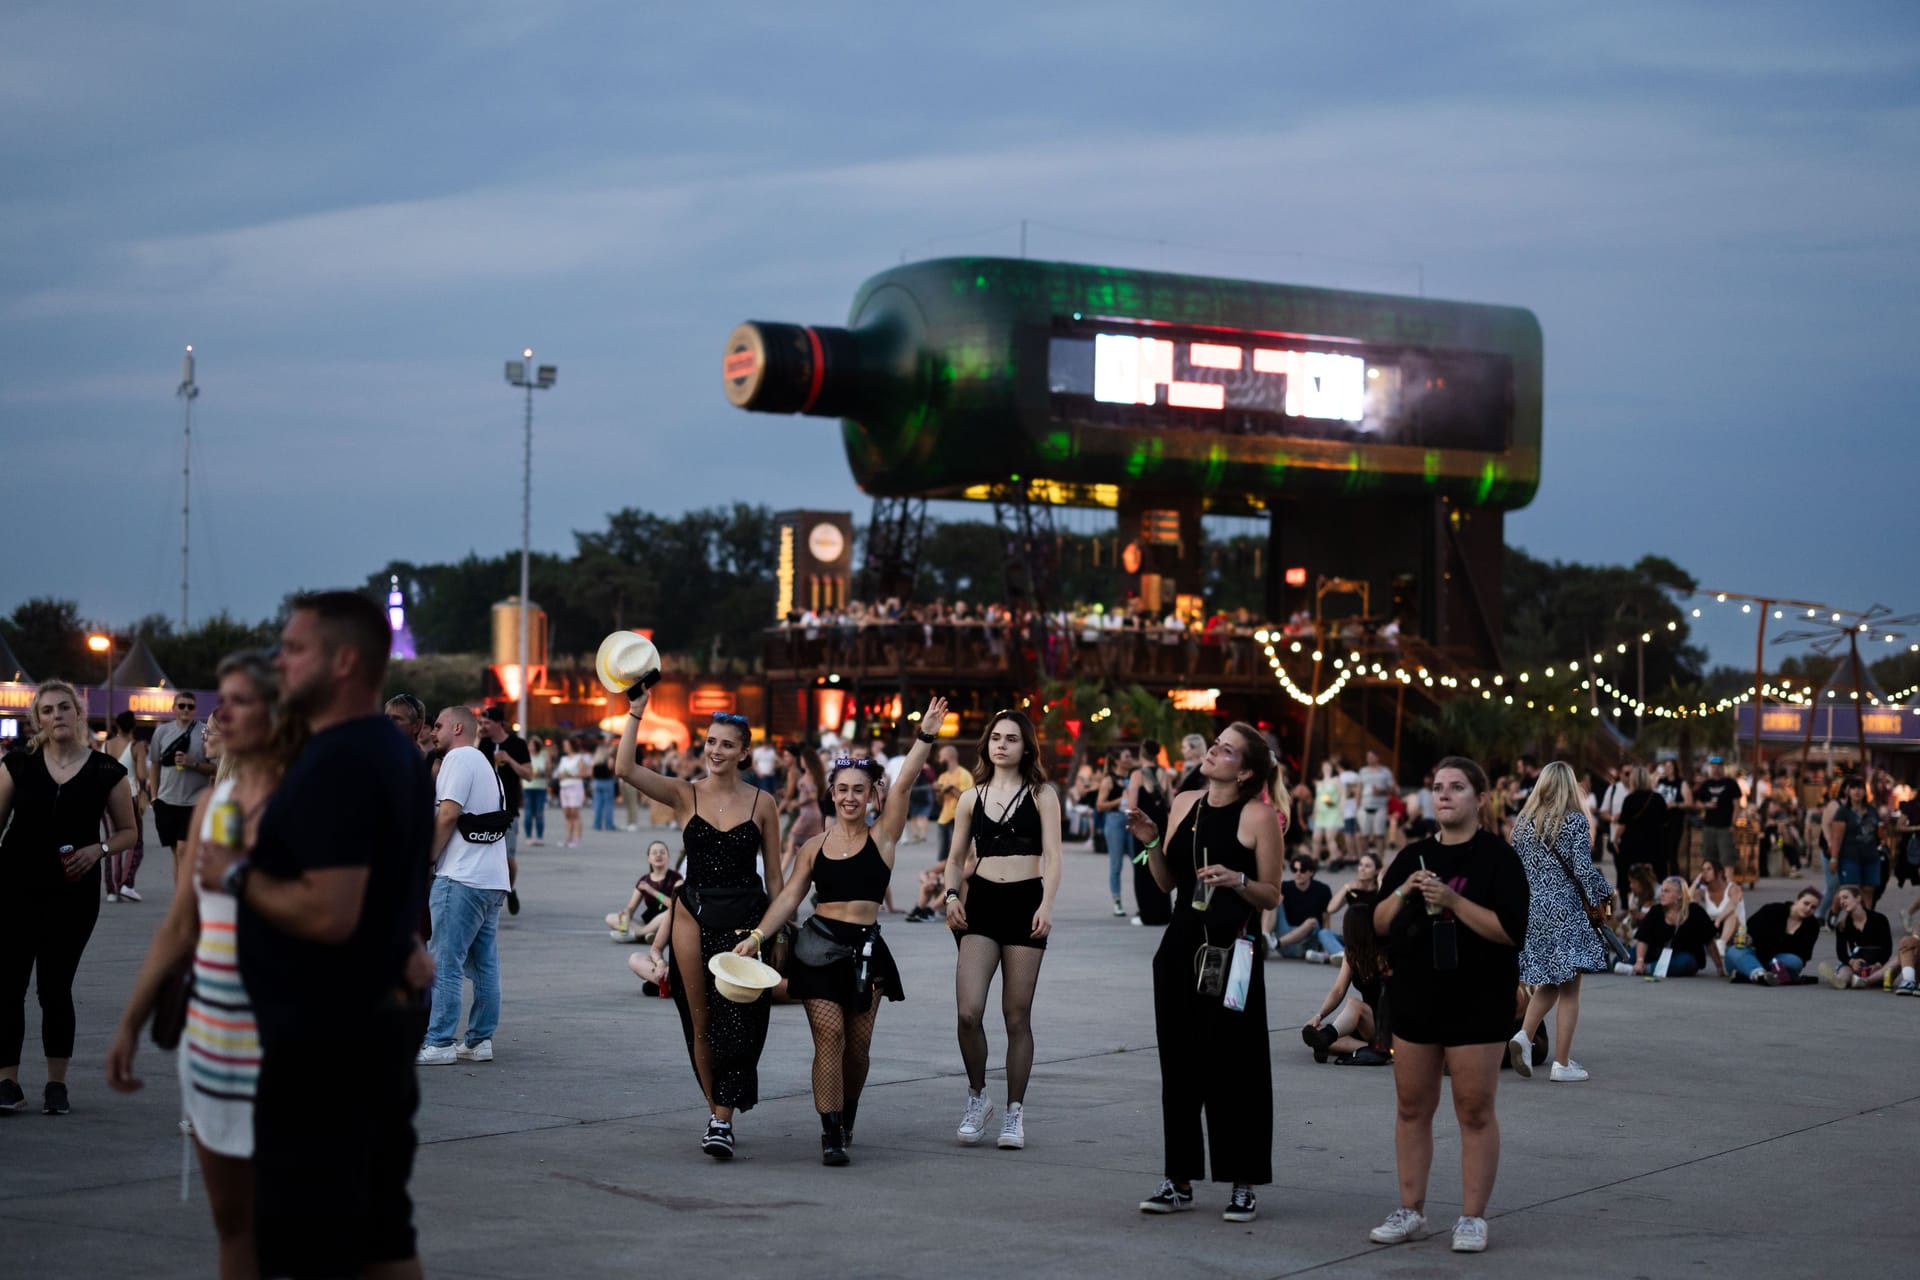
pixel 703 581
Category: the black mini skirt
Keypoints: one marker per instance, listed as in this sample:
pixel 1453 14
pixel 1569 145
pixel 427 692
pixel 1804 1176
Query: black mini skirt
pixel 840 981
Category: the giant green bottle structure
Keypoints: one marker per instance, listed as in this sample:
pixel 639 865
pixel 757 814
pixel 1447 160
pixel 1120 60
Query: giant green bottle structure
pixel 961 377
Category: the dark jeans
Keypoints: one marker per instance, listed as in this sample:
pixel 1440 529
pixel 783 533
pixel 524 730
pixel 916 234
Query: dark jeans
pixel 330 1181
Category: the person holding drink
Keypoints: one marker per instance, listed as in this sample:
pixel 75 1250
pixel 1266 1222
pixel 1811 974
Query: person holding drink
pixel 1223 862
pixel 1453 909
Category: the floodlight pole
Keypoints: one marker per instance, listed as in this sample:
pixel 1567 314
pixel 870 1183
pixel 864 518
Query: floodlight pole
pixel 530 379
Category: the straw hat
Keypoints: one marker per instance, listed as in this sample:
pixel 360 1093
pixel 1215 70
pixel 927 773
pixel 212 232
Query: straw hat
pixel 626 659
pixel 741 979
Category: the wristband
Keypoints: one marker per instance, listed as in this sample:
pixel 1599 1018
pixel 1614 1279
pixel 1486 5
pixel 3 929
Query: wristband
pixel 1151 844
pixel 927 737
pixel 759 939
pixel 1243 879
pixel 953 895
pixel 1401 893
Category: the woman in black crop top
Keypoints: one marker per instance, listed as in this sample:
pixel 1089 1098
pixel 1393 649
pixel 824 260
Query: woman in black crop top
pixel 53 797
pixel 1010 823
pixel 733 867
pixel 1221 857
pixel 841 963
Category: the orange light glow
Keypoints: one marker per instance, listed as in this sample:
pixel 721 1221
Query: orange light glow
pixel 99 644
pixel 1211 355
pixel 1297 576
pixel 1196 395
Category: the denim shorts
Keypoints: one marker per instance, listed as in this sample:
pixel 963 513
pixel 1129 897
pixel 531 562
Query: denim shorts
pixel 1865 874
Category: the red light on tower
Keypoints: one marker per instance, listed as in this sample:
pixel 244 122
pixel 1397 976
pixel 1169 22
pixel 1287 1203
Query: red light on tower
pixel 1297 576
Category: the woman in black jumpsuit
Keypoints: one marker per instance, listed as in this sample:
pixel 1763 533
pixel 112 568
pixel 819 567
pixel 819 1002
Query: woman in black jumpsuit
pixel 1225 853
pixel 53 798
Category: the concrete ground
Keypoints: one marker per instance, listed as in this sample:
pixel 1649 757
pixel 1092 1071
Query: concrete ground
pixel 1727 1130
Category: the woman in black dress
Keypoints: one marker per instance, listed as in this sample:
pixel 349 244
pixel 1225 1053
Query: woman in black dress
pixel 1453 908
pixel 733 868
pixel 53 798
pixel 1643 832
pixel 1223 864
pixel 841 964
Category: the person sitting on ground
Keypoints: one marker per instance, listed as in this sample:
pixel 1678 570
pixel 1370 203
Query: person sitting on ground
pixel 1301 927
pixel 1352 1021
pixel 652 895
pixel 1862 941
pixel 1722 899
pixel 931 901
pixel 1362 890
pixel 1779 941
pixel 1907 956
pixel 1681 925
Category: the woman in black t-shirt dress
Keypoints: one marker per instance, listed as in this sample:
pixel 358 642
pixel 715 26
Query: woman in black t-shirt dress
pixel 53 798
pixel 1453 909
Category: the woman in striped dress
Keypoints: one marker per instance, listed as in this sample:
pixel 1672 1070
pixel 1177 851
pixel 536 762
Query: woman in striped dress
pixel 219 1050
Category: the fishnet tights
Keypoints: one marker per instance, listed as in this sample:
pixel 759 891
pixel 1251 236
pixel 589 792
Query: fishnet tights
pixel 840 1059
pixel 973 978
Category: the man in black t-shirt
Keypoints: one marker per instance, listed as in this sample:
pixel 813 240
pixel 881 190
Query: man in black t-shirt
pixel 329 896
pixel 1302 927
pixel 514 763
pixel 1718 799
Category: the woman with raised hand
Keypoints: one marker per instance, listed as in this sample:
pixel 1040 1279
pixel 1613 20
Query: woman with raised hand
pixel 1555 844
pixel 841 965
pixel 1002 918
pixel 53 798
pixel 220 1048
pixel 1222 860
pixel 733 869
pixel 1453 908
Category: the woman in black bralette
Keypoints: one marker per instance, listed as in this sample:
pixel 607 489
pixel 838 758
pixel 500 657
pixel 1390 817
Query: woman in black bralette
pixel 1010 824
pixel 841 964
pixel 728 831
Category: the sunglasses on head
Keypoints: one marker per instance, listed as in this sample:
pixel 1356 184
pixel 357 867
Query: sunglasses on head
pixel 732 718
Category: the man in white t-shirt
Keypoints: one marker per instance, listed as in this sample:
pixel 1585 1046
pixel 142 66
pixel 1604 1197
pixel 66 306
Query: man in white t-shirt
pixel 469 888
pixel 1616 795
pixel 766 768
pixel 1376 784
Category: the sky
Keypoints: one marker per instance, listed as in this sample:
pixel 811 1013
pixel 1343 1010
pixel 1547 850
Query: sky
pixel 357 214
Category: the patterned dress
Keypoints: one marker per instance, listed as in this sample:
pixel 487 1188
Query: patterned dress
pixel 220 1050
pixel 727 898
pixel 1560 944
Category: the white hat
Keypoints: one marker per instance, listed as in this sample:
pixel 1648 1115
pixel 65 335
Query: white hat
pixel 741 979
pixel 626 659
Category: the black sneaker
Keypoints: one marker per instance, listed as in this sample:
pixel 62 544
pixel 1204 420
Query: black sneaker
pixel 1367 1056
pixel 513 903
pixel 1320 1040
pixel 12 1097
pixel 56 1100
pixel 1168 1199
pixel 718 1141
pixel 1243 1207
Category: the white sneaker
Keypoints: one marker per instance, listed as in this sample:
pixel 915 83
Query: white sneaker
pixel 1831 975
pixel 1520 1056
pixel 1136 921
pixel 1622 968
pixel 1470 1235
pixel 1571 1073
pixel 113 897
pixel 1401 1226
pixel 1118 909
pixel 436 1055
pixel 482 1052
pixel 1906 987
pixel 1316 957
pixel 1013 1134
pixel 974 1123
pixel 129 894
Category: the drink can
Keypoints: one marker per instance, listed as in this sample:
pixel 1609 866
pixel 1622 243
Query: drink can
pixel 227 824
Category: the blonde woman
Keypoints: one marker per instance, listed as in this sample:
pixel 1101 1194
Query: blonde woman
pixel 1555 844
pixel 219 1057
pixel 53 797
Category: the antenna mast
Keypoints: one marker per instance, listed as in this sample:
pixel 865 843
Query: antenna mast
pixel 188 392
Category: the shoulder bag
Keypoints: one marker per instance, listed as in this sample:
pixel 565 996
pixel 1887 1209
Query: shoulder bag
pixel 487 828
